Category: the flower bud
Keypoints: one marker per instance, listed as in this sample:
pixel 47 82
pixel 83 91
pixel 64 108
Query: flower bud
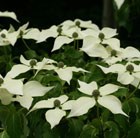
pixel 60 64
pixel 101 36
pixel 75 35
pixel 96 94
pixel 57 103
pixel 33 63
pixel 113 53
pixel 130 68
pixel 3 35
pixel 77 23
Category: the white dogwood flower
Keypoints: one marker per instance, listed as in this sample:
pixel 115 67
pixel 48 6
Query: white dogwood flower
pixel 57 108
pixel 22 68
pixel 8 38
pixel 64 72
pixel 126 73
pixel 31 89
pixel 95 94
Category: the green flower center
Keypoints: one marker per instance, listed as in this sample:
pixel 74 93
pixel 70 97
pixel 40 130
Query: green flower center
pixel 60 64
pixel 59 29
pixel 33 63
pixel 3 35
pixel 113 53
pixel 1 81
pixel 77 23
pixel 130 68
pixel 75 35
pixel 57 103
pixel 101 36
pixel 96 94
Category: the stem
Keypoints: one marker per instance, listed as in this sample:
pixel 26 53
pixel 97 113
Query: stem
pixel 98 116
pixel 25 44
pixel 129 96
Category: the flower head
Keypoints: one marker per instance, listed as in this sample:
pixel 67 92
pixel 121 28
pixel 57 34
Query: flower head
pixel 95 94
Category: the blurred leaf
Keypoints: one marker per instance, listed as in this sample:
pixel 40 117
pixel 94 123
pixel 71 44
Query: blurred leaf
pixel 111 130
pixel 134 130
pixel 4 134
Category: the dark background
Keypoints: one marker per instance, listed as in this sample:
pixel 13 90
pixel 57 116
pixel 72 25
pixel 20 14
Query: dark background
pixel 44 13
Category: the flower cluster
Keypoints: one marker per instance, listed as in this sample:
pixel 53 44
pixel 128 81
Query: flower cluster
pixel 84 73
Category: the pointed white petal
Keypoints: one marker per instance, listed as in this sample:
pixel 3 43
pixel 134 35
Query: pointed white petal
pixel 5 96
pixel 54 116
pixel 42 104
pixel 119 3
pixel 9 14
pixel 112 103
pixel 109 32
pixel 125 78
pixel 24 61
pixel 67 105
pixel 65 74
pixel 17 70
pixel 25 101
pixel 87 88
pixel 32 34
pixel 60 41
pixel 130 52
pixel 114 43
pixel 95 50
pixel 108 89
pixel 81 106
pixel 9 84
pixel 47 33
pixel 35 89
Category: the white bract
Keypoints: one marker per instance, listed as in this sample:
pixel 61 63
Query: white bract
pixel 9 15
pixel 119 3
pixel 8 84
pixel 96 95
pixel 57 108
pixel 31 89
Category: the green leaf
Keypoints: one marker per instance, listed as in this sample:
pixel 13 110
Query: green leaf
pixel 4 134
pixel 134 131
pixel 111 130
pixel 14 125
pixel 75 127
pixel 89 131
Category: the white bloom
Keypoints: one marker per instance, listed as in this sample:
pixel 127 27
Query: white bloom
pixel 94 43
pixel 65 73
pixel 31 89
pixel 58 106
pixel 8 38
pixel 79 23
pixel 126 73
pixel 95 94
pixel 22 68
